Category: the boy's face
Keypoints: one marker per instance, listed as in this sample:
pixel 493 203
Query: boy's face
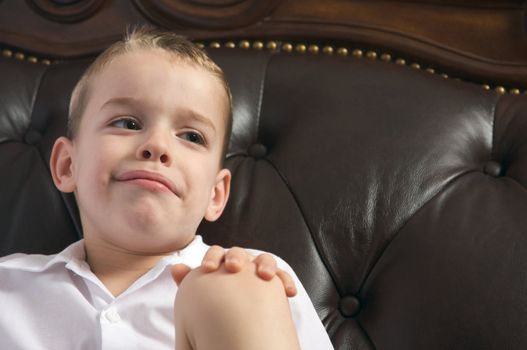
pixel 145 165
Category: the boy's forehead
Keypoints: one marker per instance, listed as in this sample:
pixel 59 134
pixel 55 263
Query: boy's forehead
pixel 138 74
pixel 138 59
pixel 126 71
pixel 158 63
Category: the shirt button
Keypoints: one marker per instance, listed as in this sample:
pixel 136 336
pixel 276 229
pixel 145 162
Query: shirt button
pixel 112 316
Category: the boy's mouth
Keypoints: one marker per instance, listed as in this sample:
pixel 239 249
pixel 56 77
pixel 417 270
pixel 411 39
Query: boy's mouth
pixel 148 179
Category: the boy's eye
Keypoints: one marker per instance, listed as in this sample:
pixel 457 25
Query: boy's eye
pixel 127 123
pixel 193 137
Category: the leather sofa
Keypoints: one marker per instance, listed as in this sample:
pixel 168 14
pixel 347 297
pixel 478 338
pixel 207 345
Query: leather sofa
pixel 399 196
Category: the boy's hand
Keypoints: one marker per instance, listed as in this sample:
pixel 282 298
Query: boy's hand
pixel 234 260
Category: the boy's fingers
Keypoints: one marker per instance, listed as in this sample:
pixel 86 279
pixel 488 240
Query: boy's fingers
pixel 179 271
pixel 265 266
pixel 235 258
pixel 287 281
pixel 213 258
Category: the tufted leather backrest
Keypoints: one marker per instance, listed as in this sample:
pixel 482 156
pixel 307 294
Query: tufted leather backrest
pixel 399 197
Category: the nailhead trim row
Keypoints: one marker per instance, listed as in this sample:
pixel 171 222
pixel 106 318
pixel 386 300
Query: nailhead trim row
pixel 288 47
pixel 314 49
pixel 24 57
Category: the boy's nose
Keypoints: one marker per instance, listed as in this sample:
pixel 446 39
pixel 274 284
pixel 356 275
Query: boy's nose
pixel 155 148
pixel 147 155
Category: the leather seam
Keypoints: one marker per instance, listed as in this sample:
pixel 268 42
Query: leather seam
pixel 301 211
pixel 410 217
pixel 493 128
pixel 260 99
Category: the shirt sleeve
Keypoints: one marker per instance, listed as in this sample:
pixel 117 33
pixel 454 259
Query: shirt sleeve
pixel 311 332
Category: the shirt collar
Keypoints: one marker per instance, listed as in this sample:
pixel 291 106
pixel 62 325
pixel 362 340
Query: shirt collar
pixel 39 262
pixel 191 255
pixel 74 256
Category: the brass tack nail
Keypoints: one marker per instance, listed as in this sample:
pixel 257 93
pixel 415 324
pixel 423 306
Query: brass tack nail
pixel 444 75
pixel 342 51
pixel 500 89
pixel 415 65
pixel 328 50
pixel 19 56
pixel 386 57
pixel 258 45
pixel 400 61
pixel 271 45
pixel 230 45
pixel 301 48
pixel 313 49
pixel 357 53
pixel 215 45
pixel 287 47
pixel 430 70
pixel 200 45
pixel 244 44
pixel 515 91
pixel 486 86
pixel 7 53
pixel 32 59
pixel 46 62
pixel 372 55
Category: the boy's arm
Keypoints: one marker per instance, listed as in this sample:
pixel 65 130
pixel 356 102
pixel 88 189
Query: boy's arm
pixel 234 260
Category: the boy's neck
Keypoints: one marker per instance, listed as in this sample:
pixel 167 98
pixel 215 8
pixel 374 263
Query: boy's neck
pixel 116 268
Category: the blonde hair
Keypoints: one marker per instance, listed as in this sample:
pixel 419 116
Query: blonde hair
pixel 145 37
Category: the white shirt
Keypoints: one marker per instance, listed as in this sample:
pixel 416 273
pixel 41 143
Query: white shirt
pixel 56 302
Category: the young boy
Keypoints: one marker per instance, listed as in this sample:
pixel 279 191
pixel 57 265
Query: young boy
pixel 148 127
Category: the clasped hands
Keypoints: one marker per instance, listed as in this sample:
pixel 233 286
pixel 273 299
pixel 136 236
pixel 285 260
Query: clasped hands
pixel 233 261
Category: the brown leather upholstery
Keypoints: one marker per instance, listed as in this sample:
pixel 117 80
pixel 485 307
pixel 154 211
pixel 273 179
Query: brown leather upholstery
pixel 399 197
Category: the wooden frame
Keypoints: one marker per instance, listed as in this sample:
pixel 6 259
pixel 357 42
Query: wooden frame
pixel 481 41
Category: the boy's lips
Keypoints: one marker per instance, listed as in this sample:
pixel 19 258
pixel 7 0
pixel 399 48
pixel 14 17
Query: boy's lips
pixel 148 179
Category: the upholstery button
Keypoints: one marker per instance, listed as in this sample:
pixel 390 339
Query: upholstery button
pixel 492 168
pixel 257 151
pixel 349 306
pixel 32 137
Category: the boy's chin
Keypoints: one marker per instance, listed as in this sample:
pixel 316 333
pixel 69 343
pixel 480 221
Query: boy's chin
pixel 146 220
pixel 145 213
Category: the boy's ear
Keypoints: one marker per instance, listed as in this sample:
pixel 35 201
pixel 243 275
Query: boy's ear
pixel 219 195
pixel 61 165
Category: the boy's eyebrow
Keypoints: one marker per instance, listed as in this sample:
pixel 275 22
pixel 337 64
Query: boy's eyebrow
pixel 120 101
pixel 193 115
pixel 188 113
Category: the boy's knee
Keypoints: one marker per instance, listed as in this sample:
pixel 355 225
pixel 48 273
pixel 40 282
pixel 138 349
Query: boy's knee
pixel 234 305
pixel 226 292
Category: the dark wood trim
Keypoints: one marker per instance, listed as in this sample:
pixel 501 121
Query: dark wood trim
pixel 481 41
